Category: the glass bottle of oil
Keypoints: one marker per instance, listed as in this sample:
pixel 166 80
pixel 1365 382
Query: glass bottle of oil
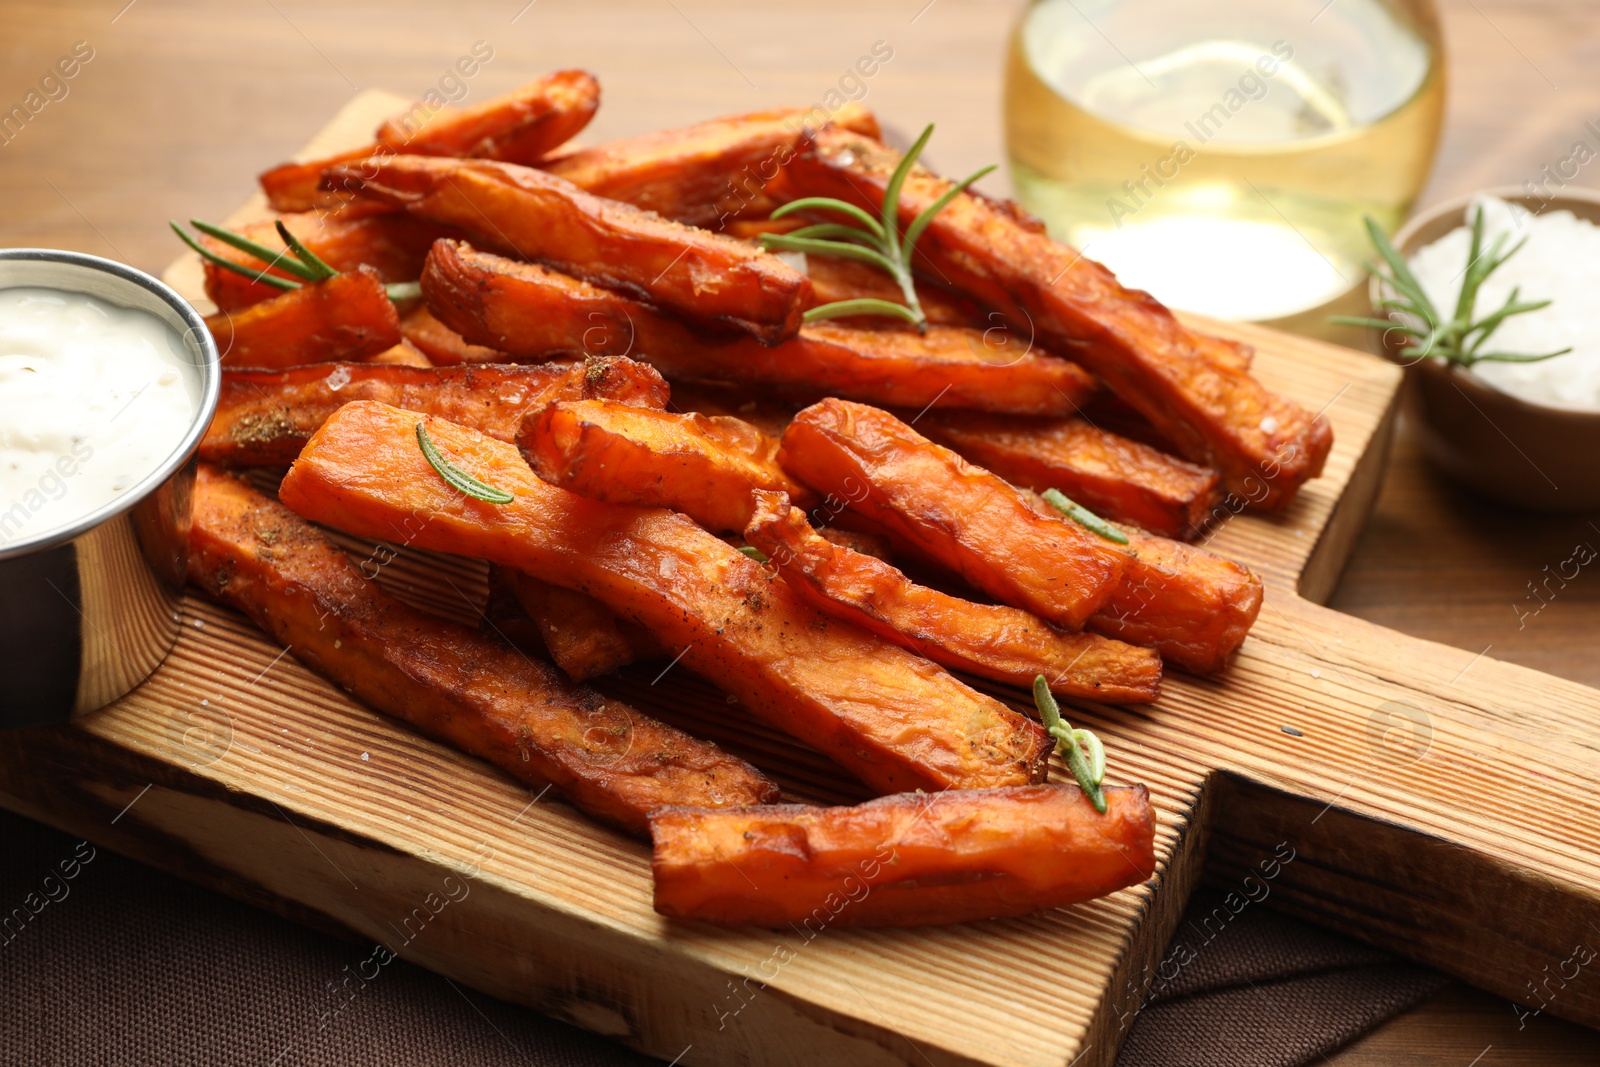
pixel 1222 155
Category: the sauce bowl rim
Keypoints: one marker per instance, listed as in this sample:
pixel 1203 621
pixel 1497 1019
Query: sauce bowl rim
pixel 208 365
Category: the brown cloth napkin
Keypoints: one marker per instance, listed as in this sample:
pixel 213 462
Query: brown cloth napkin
pixel 106 962
pixel 1254 988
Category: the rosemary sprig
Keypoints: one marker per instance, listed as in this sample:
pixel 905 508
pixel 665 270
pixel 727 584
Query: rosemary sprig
pixel 1083 516
pixel 1085 755
pixel 1460 338
pixel 877 241
pixel 294 258
pixel 455 476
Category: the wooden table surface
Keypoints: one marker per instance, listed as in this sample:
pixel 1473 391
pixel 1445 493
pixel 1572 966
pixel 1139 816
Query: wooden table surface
pixel 183 102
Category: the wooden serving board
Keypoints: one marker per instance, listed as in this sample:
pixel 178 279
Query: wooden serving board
pixel 1415 796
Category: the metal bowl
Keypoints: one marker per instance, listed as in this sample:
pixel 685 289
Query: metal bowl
pixel 1538 457
pixel 88 611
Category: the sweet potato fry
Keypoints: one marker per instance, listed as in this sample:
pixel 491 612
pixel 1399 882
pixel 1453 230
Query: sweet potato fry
pixel 610 760
pixel 949 366
pixel 890 717
pixel 297 186
pixel 532 312
pixel 704 466
pixel 1192 606
pixel 581 634
pixel 441 344
pixel 961 517
pixel 703 277
pixel 390 242
pixel 906 860
pixel 706 174
pixel 404 354
pixel 1213 410
pixel 519 127
pixel 989 640
pixel 265 417
pixel 1112 476
pixel 347 316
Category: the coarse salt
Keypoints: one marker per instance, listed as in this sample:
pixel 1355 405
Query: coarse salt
pixel 1559 263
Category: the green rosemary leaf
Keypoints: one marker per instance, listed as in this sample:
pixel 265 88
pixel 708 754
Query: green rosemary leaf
pixel 227 264
pixel 1088 768
pixel 1083 516
pixel 1414 303
pixel 272 257
pixel 1459 339
pixel 457 478
pixel 828 203
pixel 840 309
pixel 754 553
pixel 1384 325
pixel 878 242
pixel 1376 324
pixel 1510 357
pixel 835 231
pixel 1473 276
pixel 890 208
pixel 1402 277
pixel 302 253
pixel 830 248
pixel 1485 327
pixel 1096 753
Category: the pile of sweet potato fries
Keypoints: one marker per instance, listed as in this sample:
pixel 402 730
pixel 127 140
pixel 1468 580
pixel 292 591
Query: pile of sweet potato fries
pixel 581 365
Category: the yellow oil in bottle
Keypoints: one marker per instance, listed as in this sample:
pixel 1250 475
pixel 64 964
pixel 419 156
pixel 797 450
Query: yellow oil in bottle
pixel 1222 156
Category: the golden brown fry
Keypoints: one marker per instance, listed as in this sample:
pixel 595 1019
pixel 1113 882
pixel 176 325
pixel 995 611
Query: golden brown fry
pixel 265 417
pixel 707 174
pixel 1194 607
pixel 404 354
pixel 1191 606
pixel 610 760
pixel 701 276
pixel 1113 476
pixel 522 126
pixel 959 516
pixel 906 860
pixel 533 312
pixel 704 466
pixel 347 316
pixel 892 718
pixel 297 186
pixel 441 344
pixel 990 640
pixel 581 634
pixel 390 242
pixel 947 367
pixel 1214 411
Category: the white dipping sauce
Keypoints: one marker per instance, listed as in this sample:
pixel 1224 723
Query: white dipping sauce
pixel 93 398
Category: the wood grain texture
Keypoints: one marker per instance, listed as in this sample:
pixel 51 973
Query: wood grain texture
pixel 319 801
pixel 172 116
